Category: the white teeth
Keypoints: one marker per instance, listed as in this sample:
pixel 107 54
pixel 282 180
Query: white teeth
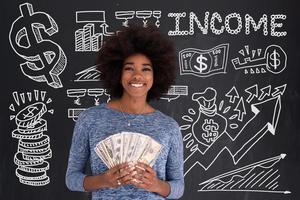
pixel 136 84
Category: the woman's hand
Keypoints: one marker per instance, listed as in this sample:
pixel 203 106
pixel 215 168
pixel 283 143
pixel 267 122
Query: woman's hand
pixel 118 175
pixel 145 177
pixel 114 177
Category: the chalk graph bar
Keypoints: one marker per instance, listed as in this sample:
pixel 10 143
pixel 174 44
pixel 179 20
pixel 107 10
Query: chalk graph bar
pixel 79 37
pixel 96 41
pixel 90 16
pixel 88 32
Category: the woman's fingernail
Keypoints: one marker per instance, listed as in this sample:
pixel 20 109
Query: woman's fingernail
pixel 133 173
pixel 140 167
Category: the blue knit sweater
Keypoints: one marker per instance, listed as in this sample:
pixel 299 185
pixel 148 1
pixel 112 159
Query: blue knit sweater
pixel 99 122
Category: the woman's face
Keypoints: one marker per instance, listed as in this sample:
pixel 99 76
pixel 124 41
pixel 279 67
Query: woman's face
pixel 137 75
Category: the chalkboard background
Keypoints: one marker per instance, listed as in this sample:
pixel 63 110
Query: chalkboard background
pixel 236 96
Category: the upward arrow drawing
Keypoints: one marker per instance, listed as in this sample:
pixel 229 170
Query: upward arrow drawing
pixel 266 91
pixel 240 108
pixel 253 92
pixel 248 167
pixel 264 120
pixel 232 95
pixel 104 26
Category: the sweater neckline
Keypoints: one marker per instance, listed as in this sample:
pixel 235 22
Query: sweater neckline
pixel 129 114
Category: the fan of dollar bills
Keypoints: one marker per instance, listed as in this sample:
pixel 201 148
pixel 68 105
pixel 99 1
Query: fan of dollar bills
pixel 128 147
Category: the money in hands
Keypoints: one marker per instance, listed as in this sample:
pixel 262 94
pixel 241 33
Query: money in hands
pixel 128 147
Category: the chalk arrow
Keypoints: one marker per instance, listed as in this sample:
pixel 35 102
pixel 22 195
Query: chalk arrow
pixel 265 119
pixel 266 91
pixel 104 26
pixel 279 90
pixel 252 91
pixel 240 108
pixel 232 95
pixel 269 161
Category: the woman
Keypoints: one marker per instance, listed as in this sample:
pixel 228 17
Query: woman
pixel 137 65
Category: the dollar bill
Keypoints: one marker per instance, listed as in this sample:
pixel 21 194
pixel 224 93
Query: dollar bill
pixel 117 145
pixel 107 143
pixel 128 147
pixel 100 152
pixel 127 137
pixel 131 147
pixel 140 146
pixel 150 153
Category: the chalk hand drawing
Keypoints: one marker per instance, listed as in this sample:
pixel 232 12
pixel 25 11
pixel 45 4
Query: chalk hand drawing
pixel 73 113
pixel 235 111
pixel 145 15
pixel 262 176
pixel 125 15
pixel 90 74
pixel 247 124
pixel 232 95
pixel 203 63
pixel 174 92
pixel 87 75
pixel 232 24
pixel 254 96
pixel 273 60
pixel 89 38
pixel 209 125
pixel 279 90
pixel 33 146
pixel 157 15
pixel 253 92
pixel 45 60
pixel 266 91
pixel 96 93
pixel 78 94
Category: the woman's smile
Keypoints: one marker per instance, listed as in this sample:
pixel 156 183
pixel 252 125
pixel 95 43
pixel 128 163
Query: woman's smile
pixel 137 85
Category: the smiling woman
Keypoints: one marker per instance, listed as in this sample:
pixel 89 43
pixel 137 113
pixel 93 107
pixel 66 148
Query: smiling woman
pixel 147 41
pixel 137 76
pixel 137 65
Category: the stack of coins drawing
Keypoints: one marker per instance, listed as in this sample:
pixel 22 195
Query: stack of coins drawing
pixel 33 146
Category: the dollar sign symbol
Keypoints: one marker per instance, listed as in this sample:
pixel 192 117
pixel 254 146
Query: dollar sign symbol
pixel 30 112
pixel 275 59
pixel 211 130
pixel 45 59
pixel 202 65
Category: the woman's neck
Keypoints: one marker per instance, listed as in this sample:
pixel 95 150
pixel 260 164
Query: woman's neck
pixel 133 105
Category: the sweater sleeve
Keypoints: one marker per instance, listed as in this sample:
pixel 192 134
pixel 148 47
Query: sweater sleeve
pixel 174 174
pixel 78 156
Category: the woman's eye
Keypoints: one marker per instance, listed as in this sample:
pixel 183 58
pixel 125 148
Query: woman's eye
pixel 128 68
pixel 147 69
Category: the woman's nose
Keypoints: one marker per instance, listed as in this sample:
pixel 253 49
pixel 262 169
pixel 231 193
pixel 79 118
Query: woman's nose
pixel 137 74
